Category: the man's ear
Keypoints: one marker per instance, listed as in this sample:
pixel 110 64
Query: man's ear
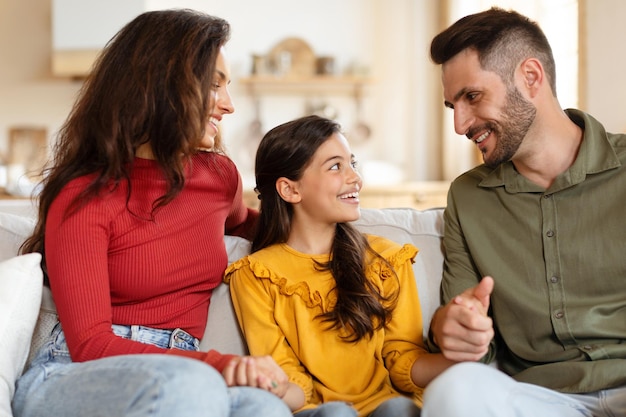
pixel 533 75
pixel 288 190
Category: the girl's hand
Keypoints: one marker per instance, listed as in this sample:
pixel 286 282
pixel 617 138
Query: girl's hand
pixel 256 371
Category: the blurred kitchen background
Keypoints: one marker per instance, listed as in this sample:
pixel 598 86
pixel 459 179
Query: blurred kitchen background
pixel 364 63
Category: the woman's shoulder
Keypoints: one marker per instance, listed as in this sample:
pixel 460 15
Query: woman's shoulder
pixel 214 167
pixel 216 159
pixel 73 188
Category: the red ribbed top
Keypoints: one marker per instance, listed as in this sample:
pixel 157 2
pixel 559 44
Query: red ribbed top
pixel 108 264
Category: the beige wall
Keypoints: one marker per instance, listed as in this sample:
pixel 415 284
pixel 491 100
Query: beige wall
pixel 603 81
pixel 392 41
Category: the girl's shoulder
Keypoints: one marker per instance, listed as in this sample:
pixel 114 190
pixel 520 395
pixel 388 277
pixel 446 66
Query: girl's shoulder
pixel 284 271
pixel 394 253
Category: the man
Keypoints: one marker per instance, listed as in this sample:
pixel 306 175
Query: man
pixel 543 221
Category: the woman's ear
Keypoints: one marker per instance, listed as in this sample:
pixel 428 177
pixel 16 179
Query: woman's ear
pixel 288 190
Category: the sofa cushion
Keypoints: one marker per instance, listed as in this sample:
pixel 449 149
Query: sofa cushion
pixel 222 331
pixel 21 282
pixel 424 229
pixel 14 230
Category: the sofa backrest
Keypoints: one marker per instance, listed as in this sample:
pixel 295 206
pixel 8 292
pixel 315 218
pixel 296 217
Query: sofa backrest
pixel 14 229
pixel 424 229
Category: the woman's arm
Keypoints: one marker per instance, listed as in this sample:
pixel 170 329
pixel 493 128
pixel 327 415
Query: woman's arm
pixel 241 220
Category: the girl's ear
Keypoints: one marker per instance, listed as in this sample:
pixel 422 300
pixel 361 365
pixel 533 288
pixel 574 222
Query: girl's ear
pixel 288 190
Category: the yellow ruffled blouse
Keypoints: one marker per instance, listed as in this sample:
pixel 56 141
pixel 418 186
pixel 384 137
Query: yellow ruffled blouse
pixel 278 293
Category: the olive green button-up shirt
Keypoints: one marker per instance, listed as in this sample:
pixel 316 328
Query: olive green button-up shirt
pixel 558 258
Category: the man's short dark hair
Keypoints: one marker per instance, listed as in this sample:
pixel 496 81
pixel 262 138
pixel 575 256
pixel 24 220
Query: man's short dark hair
pixel 502 39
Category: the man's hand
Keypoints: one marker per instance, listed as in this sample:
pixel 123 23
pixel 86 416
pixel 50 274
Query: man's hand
pixel 461 328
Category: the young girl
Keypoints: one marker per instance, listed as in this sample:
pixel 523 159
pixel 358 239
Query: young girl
pixel 338 310
pixel 131 226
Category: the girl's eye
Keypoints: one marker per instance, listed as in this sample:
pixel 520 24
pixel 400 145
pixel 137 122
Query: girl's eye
pixel 335 167
pixel 355 164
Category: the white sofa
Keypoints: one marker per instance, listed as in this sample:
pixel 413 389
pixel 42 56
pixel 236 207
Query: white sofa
pixel 27 310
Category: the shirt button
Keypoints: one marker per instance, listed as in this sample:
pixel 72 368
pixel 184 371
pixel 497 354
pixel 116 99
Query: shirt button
pixel 587 347
pixel 558 314
pixel 554 279
pixel 546 196
pixel 550 233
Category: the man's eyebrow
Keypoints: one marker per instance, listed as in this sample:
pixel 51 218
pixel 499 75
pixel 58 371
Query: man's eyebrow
pixel 457 96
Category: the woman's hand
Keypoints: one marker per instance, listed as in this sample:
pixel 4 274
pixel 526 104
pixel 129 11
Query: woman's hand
pixel 256 371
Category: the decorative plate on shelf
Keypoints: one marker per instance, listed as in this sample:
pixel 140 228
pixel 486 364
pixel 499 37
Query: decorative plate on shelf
pixel 292 57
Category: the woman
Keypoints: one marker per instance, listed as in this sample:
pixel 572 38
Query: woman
pixel 132 216
pixel 338 310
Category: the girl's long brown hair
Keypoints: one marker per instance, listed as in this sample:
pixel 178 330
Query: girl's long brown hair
pixel 286 151
pixel 151 84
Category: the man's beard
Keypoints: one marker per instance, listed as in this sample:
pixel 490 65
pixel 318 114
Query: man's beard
pixel 517 117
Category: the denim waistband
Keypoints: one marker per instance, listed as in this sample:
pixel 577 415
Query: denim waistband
pixel 177 338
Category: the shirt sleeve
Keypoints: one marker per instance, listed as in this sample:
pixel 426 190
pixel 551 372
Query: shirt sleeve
pixel 459 272
pixel 254 306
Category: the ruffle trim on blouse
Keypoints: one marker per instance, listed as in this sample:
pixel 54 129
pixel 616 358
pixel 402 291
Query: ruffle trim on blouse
pixel 396 259
pixel 394 256
pixel 301 289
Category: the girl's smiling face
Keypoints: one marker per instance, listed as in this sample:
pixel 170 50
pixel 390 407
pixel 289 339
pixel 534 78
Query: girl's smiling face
pixel 329 188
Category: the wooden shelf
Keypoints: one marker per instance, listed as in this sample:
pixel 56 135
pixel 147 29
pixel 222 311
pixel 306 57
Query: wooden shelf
pixel 291 84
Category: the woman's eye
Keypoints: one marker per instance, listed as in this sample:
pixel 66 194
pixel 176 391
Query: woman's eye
pixel 355 164
pixel 335 167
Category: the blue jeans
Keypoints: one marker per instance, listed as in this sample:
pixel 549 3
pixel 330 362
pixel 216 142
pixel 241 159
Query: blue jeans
pixel 397 407
pixel 473 389
pixel 394 407
pixel 329 409
pixel 134 385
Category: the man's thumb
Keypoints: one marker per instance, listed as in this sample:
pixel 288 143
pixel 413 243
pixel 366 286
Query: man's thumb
pixel 483 291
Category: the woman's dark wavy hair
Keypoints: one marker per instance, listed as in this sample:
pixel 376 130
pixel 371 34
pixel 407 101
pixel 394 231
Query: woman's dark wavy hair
pixel 286 151
pixel 151 84
pixel 502 39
